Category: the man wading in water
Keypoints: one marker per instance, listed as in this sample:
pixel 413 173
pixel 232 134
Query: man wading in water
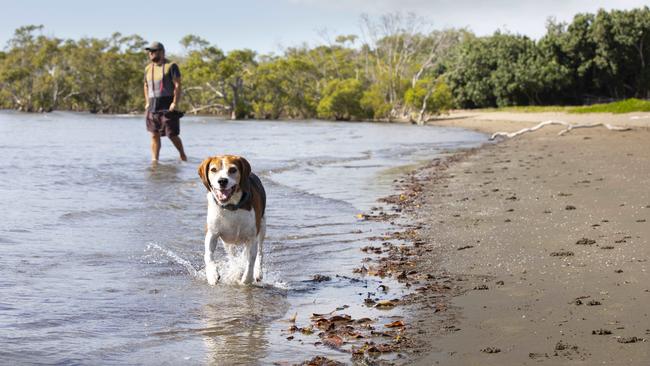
pixel 162 92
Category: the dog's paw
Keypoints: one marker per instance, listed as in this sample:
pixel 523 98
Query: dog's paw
pixel 212 280
pixel 211 274
pixel 246 279
pixel 257 271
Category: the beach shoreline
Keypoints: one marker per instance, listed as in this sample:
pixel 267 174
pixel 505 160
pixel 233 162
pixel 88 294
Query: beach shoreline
pixel 532 249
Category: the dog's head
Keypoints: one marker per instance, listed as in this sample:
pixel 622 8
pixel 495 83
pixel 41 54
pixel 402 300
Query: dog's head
pixel 225 175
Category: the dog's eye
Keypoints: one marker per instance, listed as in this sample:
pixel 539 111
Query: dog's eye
pixel 232 170
pixel 214 170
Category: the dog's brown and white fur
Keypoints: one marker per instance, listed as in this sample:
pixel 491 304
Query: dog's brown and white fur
pixel 236 205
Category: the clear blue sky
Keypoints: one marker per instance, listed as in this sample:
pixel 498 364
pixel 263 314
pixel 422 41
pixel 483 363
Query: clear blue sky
pixel 268 25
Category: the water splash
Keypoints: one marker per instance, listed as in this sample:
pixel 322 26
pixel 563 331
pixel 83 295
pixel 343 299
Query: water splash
pixel 176 259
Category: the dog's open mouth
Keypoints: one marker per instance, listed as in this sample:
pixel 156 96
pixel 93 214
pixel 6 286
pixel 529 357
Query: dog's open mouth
pixel 224 195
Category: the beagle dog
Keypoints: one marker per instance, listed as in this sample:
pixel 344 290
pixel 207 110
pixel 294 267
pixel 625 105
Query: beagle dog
pixel 236 204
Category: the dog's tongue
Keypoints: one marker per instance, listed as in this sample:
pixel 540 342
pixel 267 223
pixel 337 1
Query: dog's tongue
pixel 224 195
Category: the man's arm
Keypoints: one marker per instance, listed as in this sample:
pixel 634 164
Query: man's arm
pixel 146 96
pixel 177 93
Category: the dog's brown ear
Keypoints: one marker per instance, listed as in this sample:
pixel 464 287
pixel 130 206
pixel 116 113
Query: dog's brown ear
pixel 203 173
pixel 244 173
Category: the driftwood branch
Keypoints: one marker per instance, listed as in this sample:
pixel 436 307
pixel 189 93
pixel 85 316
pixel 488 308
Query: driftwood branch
pixel 217 92
pixel 216 105
pixel 568 128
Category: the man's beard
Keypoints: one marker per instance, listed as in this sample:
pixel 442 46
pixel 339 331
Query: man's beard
pixel 156 58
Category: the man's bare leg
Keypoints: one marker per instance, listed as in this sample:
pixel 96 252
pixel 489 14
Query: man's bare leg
pixel 155 146
pixel 179 146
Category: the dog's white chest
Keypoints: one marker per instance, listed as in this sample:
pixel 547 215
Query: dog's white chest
pixel 234 227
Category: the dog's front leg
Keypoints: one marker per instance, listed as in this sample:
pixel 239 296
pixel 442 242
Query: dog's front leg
pixel 210 265
pixel 259 260
pixel 250 252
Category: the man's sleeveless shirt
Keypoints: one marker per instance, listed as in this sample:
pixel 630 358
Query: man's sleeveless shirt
pixel 160 84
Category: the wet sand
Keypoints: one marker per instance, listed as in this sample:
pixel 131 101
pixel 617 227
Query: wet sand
pixel 533 249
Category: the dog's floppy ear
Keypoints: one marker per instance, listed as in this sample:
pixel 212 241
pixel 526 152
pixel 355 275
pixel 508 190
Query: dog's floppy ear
pixel 203 173
pixel 244 173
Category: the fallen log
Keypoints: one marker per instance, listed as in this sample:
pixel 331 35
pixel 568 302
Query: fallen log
pixel 568 128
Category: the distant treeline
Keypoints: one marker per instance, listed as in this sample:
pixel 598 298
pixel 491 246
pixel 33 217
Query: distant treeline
pixel 394 70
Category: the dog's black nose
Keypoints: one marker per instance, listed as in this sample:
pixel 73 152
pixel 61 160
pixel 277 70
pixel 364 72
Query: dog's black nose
pixel 222 182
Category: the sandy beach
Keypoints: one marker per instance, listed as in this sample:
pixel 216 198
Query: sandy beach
pixel 532 249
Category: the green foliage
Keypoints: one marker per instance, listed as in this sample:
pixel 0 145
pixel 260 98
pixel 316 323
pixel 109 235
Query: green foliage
pixel 605 55
pixel 194 42
pixel 374 102
pixel 202 87
pixel 623 106
pixel 529 109
pixel 597 56
pixel 430 96
pixel 502 70
pixel 235 72
pixel 42 74
pixel 394 72
pixel 442 99
pixel 285 87
pixel 341 100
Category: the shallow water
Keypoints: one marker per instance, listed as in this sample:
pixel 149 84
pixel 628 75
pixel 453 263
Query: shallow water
pixel 102 254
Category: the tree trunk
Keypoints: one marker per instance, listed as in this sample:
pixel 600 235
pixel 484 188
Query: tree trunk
pixel 235 101
pixel 424 107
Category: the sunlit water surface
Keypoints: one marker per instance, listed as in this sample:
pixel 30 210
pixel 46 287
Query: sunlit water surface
pixel 102 254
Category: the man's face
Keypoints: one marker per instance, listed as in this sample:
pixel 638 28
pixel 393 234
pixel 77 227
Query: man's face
pixel 156 55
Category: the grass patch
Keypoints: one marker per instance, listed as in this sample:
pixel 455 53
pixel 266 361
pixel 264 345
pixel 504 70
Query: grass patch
pixel 529 109
pixel 623 106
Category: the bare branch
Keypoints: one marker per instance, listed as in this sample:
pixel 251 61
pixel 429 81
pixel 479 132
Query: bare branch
pixel 215 105
pixel 217 92
pixel 568 128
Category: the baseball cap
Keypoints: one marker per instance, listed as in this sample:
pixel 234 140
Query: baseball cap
pixel 155 46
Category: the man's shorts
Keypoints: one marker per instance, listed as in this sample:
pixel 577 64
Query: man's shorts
pixel 166 124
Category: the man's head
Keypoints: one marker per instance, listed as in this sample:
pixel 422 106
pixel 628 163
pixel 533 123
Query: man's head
pixel 156 51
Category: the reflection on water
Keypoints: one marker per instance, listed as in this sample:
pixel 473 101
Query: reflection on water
pixel 241 324
pixel 164 173
pixel 103 252
pixel 238 323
